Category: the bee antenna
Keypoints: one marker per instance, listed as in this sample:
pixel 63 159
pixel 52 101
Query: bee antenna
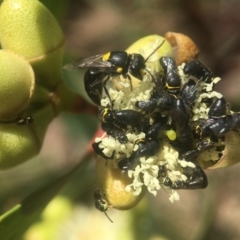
pixel 154 51
pixel 108 217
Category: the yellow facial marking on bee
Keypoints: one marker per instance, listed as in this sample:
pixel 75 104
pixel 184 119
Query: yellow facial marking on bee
pixel 171 134
pixel 106 56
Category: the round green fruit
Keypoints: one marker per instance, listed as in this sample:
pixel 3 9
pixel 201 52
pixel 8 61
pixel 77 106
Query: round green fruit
pixel 18 144
pixel 28 28
pixel 16 85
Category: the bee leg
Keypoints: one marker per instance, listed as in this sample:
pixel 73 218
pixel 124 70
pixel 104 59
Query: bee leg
pixel 106 91
pixel 130 81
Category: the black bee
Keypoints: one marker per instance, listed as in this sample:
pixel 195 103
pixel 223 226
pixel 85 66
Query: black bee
pixel 235 120
pixel 180 122
pixel 157 128
pixel 198 70
pixel 121 119
pixel 171 79
pixel 219 122
pixel 103 66
pixel 101 203
pixel 146 148
pixel 168 89
pixel 201 146
pixel 189 93
pixel 163 101
pixel 196 179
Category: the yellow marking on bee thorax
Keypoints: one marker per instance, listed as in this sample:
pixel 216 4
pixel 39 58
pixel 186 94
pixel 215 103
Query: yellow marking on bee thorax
pixel 106 56
pixel 172 87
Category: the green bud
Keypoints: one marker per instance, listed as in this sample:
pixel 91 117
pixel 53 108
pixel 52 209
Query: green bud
pixel 21 142
pixel 16 85
pixel 29 29
pixel 18 144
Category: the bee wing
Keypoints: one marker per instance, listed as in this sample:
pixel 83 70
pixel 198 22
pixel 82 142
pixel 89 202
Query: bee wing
pixel 88 62
pixel 179 117
pixel 206 122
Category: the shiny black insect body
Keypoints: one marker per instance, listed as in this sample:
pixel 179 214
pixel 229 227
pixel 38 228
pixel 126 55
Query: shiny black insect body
pixel 171 79
pixel 196 179
pixel 180 122
pixel 215 127
pixel 168 88
pixel 163 101
pixel 189 93
pixel 94 85
pixel 235 120
pixel 111 126
pixel 201 146
pixel 100 203
pixel 219 122
pixel 162 174
pixel 155 131
pixel 162 171
pixel 121 119
pixel 146 148
pixel 198 70
pixel 103 66
pixel 220 119
pixel 218 109
pixel 114 130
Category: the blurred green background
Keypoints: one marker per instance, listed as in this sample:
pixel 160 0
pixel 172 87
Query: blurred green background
pixel 93 27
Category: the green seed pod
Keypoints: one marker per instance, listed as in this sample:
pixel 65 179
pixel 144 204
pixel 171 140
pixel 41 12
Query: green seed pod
pixel 29 29
pixel 21 142
pixel 16 85
pixel 18 144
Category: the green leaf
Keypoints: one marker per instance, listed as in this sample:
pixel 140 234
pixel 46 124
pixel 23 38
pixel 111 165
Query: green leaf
pixel 16 221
